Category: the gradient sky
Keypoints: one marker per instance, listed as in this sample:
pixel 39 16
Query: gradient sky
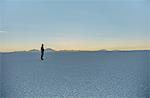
pixel 74 24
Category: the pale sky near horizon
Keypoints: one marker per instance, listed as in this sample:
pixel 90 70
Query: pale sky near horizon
pixel 74 24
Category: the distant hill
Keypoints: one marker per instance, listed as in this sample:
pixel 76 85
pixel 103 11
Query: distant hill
pixel 49 50
pixel 46 50
pixel 34 50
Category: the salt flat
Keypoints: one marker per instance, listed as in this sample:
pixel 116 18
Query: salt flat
pixel 101 74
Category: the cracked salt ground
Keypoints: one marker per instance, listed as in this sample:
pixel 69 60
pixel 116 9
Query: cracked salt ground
pixel 76 75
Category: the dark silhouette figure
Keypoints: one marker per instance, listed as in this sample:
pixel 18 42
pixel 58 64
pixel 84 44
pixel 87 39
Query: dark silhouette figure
pixel 42 51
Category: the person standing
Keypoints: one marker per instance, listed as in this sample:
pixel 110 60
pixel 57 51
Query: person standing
pixel 42 51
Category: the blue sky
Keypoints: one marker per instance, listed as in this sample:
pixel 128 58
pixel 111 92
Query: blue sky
pixel 74 24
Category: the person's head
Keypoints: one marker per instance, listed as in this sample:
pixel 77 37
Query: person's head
pixel 42 45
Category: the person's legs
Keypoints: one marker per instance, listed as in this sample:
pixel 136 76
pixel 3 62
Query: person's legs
pixel 41 55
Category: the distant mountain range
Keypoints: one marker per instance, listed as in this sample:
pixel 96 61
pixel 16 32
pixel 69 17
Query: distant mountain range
pixel 52 50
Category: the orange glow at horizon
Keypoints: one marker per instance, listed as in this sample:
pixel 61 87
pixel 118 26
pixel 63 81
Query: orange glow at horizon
pixel 68 45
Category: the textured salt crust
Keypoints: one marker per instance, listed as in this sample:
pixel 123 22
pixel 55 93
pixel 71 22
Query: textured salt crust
pixel 76 75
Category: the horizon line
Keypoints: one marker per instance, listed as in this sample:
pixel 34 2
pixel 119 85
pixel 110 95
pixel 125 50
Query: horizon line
pixel 74 50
